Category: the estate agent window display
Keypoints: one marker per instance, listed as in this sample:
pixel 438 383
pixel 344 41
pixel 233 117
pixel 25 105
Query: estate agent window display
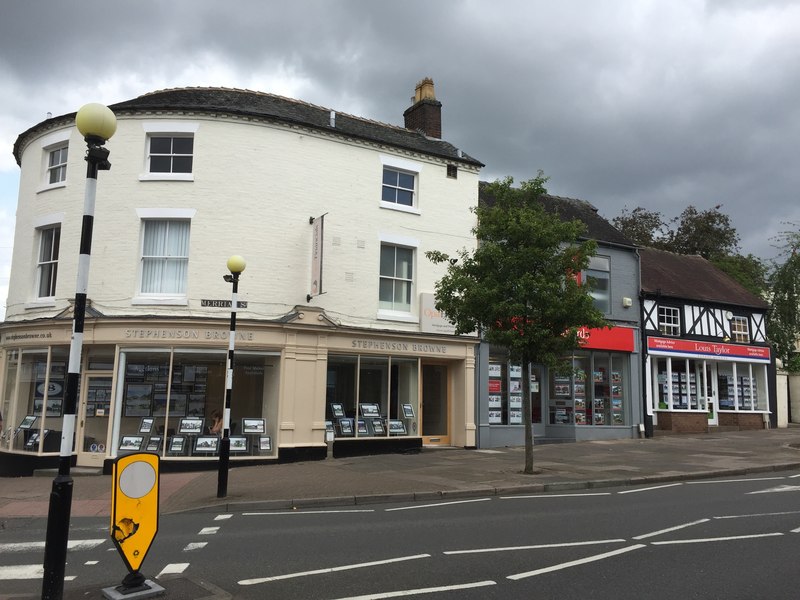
pixel 168 398
pixel 372 396
pixel 592 393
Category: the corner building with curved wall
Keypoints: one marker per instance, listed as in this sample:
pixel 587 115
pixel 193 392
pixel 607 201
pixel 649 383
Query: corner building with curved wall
pixel 336 337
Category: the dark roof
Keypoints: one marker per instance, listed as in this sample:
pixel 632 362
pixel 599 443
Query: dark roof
pixel 269 107
pixel 692 277
pixel 570 209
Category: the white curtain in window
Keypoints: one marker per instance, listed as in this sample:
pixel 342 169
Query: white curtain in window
pixel 165 257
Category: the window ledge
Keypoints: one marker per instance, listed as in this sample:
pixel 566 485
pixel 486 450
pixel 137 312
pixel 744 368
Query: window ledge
pixel 166 177
pixel 42 303
pixel 393 315
pixel 400 207
pixel 164 300
pixel 51 186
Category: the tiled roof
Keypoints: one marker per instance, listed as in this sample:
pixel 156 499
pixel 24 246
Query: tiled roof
pixel 260 105
pixel 692 277
pixel 569 209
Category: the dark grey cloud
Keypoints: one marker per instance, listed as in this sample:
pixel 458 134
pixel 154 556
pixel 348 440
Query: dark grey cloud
pixel 622 103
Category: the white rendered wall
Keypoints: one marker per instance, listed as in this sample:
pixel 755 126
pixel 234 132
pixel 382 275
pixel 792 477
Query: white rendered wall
pixel 255 187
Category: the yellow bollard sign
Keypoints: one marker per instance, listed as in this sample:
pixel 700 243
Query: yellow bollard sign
pixel 134 506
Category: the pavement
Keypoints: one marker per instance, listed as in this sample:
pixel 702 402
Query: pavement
pixel 433 473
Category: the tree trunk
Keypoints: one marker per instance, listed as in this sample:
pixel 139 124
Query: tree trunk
pixel 527 413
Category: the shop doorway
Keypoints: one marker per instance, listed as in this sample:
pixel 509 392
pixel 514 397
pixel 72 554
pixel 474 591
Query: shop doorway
pixel 92 431
pixel 711 388
pixel 435 405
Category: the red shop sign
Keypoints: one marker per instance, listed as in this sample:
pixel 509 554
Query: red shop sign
pixel 602 338
pixel 674 346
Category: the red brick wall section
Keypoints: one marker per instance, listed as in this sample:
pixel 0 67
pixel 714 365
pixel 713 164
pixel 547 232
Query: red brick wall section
pixel 698 422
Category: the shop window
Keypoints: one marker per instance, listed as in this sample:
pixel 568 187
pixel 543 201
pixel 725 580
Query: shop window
pixel 372 396
pixel 598 276
pixel 740 331
pixel 593 393
pixel 169 403
pixel 506 393
pixel 669 321
pixel 396 278
pixel 47 265
pixel 165 257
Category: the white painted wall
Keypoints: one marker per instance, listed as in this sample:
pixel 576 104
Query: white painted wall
pixel 255 187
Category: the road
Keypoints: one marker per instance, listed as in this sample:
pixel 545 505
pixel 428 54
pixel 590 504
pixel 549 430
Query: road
pixel 725 538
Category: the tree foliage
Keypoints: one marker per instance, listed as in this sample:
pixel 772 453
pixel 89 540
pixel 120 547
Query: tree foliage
pixel 708 233
pixel 783 323
pixel 519 288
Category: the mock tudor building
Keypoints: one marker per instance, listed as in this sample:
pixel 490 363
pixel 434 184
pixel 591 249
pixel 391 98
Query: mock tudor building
pixel 708 364
pixel 600 399
pixel 336 333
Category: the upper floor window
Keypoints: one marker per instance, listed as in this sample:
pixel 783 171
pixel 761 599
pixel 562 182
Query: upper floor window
pixel 170 154
pixel 398 187
pixel 396 278
pixel 47 265
pixel 165 256
pixel 598 276
pixel 57 165
pixel 740 331
pixel 669 321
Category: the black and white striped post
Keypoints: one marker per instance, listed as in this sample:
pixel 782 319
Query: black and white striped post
pixel 236 265
pixel 97 124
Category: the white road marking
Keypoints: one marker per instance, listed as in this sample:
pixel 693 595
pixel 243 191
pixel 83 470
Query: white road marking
pixel 795 530
pixel 780 488
pixel 719 539
pixel 794 476
pixel 222 517
pixel 431 590
pixel 574 563
pixel 669 529
pixel 331 569
pixel 195 546
pixel 22 572
pixel 708 481
pixel 657 487
pixel 73 545
pixel 173 568
pixel 554 496
pixel 306 512
pixel 772 514
pixel 91 562
pixel 208 531
pixel 416 506
pixel 537 546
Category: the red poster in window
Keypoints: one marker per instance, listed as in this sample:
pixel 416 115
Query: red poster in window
pixel 494 386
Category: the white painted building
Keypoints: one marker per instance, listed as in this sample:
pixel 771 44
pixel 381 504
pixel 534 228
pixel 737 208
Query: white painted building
pixel 199 174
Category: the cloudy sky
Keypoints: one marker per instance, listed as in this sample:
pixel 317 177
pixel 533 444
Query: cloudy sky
pixel 624 103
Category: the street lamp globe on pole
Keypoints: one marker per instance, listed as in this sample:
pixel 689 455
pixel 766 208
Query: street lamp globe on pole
pixel 97 124
pixel 236 265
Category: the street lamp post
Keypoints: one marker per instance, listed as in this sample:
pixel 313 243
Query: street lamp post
pixel 236 265
pixel 97 124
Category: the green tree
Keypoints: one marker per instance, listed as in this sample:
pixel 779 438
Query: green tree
pixel 708 233
pixel 750 271
pixel 783 324
pixel 519 288
pixel 643 227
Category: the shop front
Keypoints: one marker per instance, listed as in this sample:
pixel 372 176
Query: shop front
pixel 594 399
pixel 156 388
pixel 694 385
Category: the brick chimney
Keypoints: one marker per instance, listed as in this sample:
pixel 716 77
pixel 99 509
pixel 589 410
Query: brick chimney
pixel 426 113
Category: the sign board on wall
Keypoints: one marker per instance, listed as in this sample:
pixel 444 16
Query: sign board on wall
pixel 430 319
pixel 622 339
pixel 658 345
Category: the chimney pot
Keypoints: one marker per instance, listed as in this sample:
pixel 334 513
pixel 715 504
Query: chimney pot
pixel 426 113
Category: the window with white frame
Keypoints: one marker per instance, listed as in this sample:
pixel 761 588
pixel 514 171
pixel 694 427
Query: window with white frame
pixel 165 256
pixel 669 321
pixel 47 264
pixel 170 153
pixel 598 276
pixel 740 331
pixel 396 278
pixel 398 187
pixel 57 165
